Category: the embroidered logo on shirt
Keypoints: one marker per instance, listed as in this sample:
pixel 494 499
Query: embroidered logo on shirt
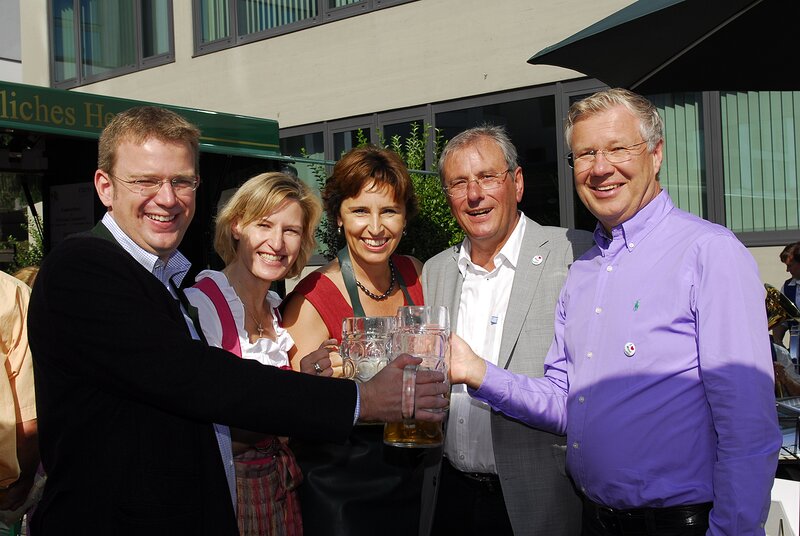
pixel 636 306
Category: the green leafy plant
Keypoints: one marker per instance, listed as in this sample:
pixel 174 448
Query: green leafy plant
pixel 26 252
pixel 434 228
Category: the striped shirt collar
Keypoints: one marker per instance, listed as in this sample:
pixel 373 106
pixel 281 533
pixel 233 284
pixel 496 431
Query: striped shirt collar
pixel 176 267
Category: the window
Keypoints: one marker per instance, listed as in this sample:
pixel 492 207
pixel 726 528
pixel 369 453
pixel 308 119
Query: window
pixel 310 145
pixel 221 24
pixel 761 160
pixel 349 139
pixel 96 39
pixel 682 168
pixel 531 125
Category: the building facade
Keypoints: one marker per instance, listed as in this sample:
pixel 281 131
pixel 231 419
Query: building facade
pixel 329 69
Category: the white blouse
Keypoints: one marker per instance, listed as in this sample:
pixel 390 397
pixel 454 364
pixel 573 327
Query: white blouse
pixel 264 350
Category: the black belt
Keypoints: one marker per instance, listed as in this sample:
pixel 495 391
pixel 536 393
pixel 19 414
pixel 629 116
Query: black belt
pixel 647 520
pixel 488 480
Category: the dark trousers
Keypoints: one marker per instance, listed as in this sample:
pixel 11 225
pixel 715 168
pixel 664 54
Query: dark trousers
pixel 469 504
pixel 691 520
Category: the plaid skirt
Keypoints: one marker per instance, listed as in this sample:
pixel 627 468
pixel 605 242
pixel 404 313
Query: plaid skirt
pixel 266 479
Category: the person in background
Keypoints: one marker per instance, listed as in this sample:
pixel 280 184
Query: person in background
pixel 501 285
pixel 264 233
pixel 790 256
pixel 659 372
pixel 19 451
pixel 127 394
pixel 356 488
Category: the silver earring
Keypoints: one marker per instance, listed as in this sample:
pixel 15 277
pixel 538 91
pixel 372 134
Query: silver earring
pixel 339 230
pixel 405 232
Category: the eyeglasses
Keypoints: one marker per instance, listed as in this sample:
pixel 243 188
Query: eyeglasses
pixel 148 186
pixel 487 181
pixel 617 155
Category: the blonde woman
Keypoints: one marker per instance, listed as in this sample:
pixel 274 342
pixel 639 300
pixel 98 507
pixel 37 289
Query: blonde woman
pixel 264 233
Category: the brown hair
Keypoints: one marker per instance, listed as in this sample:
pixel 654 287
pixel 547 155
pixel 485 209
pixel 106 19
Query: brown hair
pixel 790 253
pixel 260 196
pixel 360 167
pixel 137 125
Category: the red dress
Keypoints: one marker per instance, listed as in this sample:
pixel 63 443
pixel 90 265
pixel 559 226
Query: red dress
pixel 332 306
pixel 362 487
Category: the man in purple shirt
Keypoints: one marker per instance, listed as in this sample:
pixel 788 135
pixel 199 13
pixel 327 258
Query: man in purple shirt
pixel 660 370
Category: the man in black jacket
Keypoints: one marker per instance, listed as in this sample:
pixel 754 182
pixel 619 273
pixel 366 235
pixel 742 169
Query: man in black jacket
pixel 126 394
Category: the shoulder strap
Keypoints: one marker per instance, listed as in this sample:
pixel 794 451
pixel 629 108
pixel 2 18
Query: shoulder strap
pixel 402 284
pixel 230 337
pixel 350 281
pixel 188 309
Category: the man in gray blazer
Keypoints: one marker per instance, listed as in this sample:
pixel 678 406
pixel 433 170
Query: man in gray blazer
pixel 497 476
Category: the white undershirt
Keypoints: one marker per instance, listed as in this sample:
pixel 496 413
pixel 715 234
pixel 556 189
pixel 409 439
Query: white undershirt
pixel 481 316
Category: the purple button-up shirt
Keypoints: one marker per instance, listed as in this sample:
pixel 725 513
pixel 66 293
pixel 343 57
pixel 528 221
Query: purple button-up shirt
pixel 660 372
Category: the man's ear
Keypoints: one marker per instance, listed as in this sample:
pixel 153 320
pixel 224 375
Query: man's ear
pixel 104 187
pixel 519 183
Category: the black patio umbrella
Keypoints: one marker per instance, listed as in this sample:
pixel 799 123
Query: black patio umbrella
pixel 655 46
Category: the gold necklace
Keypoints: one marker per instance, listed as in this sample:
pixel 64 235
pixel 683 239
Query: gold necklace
pixel 259 326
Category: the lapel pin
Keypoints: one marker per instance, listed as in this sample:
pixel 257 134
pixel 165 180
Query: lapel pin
pixel 537 260
pixel 630 349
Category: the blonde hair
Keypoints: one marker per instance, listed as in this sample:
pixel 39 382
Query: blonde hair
pixel 27 274
pixel 260 196
pixel 651 126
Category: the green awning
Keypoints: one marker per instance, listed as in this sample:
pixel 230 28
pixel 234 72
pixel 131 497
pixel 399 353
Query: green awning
pixel 84 115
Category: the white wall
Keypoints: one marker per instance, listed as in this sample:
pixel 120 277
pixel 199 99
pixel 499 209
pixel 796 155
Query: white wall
pixel 412 54
pixel 10 54
pixel 772 270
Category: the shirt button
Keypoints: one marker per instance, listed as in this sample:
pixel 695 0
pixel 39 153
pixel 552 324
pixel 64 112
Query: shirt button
pixel 461 420
pixel 598 310
pixel 609 268
pixel 589 355
pixel 460 456
pixel 575 445
pixel 631 245
pixel 581 399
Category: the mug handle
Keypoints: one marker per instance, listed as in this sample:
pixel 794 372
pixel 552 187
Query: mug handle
pixel 407 404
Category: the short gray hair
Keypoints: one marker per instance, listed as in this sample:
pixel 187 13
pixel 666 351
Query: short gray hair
pixel 651 126
pixel 471 136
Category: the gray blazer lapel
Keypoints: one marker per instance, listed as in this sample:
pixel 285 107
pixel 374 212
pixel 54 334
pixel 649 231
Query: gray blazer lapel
pixel 453 282
pixel 523 289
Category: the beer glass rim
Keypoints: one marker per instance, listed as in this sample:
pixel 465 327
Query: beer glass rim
pixel 359 325
pixel 438 317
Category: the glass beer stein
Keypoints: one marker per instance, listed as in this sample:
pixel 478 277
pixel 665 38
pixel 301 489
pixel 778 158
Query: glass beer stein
pixel 422 331
pixel 366 346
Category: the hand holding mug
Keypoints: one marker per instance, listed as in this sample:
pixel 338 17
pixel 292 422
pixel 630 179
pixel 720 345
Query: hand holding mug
pixel 324 361
pixel 382 396
pixel 465 366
